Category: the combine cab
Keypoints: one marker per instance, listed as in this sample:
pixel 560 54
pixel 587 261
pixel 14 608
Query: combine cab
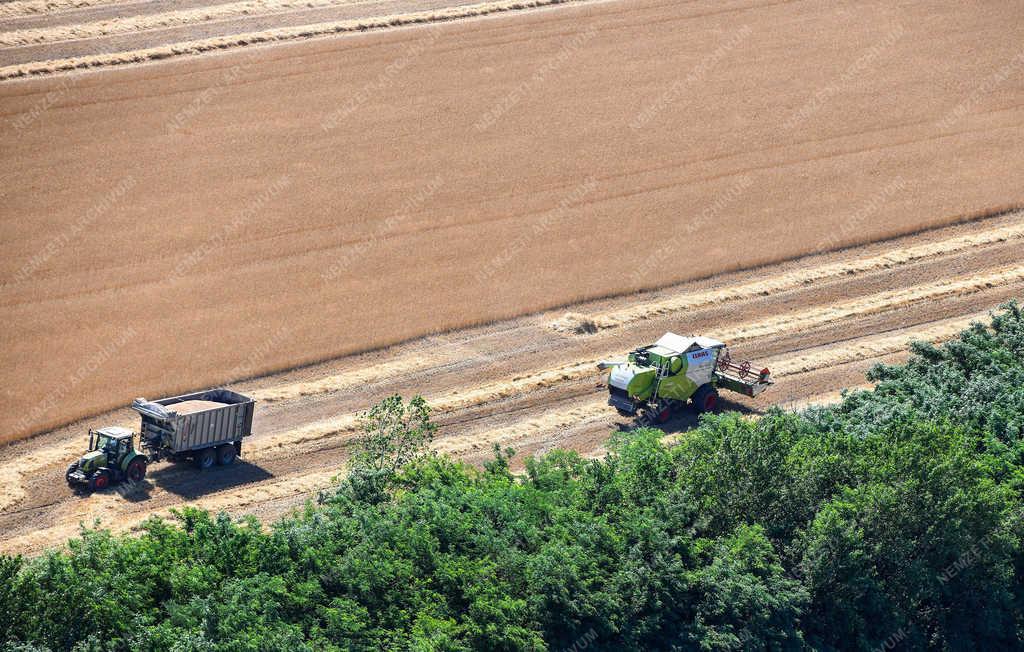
pixel 655 380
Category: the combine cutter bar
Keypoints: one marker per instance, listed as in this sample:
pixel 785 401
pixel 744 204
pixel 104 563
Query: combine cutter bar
pixel 740 378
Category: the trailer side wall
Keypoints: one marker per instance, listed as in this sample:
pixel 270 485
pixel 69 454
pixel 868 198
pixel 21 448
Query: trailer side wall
pixel 197 430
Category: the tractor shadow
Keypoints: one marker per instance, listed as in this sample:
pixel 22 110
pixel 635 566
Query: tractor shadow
pixel 685 419
pixel 133 492
pixel 183 479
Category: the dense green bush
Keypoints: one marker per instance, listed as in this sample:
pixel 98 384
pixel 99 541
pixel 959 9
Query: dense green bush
pixel 892 519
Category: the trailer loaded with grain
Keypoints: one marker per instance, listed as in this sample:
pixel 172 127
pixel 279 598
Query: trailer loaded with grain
pixel 206 427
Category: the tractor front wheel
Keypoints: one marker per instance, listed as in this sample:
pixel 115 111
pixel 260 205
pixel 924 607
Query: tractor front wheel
pixel 205 458
pixel 99 481
pixel 137 470
pixel 705 399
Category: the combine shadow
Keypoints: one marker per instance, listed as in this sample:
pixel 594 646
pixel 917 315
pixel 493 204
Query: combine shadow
pixel 685 419
pixel 185 480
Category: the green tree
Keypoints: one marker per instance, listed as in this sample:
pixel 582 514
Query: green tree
pixel 393 434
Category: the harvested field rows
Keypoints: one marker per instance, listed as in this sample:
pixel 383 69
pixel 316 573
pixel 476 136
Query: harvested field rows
pixel 16 8
pixel 211 219
pixel 98 28
pixel 147 26
pixel 517 384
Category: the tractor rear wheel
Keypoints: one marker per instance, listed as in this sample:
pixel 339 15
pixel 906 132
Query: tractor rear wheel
pixel 99 481
pixel 205 458
pixel 226 454
pixel 137 470
pixel 705 399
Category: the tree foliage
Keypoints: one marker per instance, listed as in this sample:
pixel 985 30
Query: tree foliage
pixel 392 434
pixel 891 519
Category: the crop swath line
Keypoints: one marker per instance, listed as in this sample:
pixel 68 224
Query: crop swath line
pixel 576 323
pixel 178 18
pixel 198 46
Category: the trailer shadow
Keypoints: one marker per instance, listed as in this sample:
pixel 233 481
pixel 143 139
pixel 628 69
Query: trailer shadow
pixel 188 482
pixel 685 419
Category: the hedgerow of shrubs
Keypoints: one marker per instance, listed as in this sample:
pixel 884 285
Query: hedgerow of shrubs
pixel 891 519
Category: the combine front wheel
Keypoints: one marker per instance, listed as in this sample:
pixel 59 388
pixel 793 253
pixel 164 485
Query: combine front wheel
pixel 660 412
pixel 705 399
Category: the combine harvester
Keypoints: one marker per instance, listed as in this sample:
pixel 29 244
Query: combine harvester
pixel 654 380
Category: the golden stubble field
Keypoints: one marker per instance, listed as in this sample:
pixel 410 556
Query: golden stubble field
pixel 186 223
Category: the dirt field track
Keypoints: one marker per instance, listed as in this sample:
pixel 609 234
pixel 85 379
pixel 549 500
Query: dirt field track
pixel 193 220
pixel 530 383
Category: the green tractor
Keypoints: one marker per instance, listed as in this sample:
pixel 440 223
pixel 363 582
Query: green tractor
pixel 111 458
pixel 655 380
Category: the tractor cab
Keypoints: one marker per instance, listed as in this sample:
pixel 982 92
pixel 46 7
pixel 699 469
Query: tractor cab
pixel 111 457
pixel 113 442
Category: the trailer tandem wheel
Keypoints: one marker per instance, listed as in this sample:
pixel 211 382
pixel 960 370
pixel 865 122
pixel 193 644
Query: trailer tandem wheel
pixel 226 454
pixel 205 458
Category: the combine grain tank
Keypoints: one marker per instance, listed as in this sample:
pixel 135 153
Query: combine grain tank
pixel 207 427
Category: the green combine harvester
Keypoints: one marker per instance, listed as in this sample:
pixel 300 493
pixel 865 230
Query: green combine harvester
pixel 655 380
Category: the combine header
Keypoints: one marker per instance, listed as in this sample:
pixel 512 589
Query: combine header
pixel 656 379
